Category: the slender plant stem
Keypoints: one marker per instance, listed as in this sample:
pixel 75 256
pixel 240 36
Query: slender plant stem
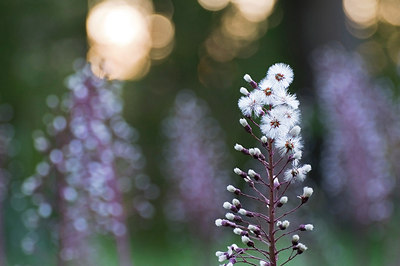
pixel 271 205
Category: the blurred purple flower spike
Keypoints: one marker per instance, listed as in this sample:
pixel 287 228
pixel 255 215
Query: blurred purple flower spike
pixel 93 161
pixel 355 161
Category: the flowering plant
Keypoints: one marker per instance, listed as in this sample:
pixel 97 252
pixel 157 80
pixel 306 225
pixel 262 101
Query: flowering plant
pixel 272 109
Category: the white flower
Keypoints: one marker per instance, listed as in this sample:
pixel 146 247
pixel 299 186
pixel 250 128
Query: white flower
pixel 307 192
pixel 297 174
pixel 274 124
pixel 252 103
pixel 266 86
pixel 289 145
pixel 284 98
pixel 292 117
pixel 306 168
pixel 280 74
pixel 296 158
pixel 295 238
pixel 291 174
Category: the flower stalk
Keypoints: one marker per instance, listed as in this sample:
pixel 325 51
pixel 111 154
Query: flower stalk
pixel 269 110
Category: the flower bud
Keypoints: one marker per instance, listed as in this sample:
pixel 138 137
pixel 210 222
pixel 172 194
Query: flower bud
pixel 276 183
pixel 306 227
pixel 237 204
pixel 244 91
pixel 219 253
pixel 282 201
pixel 243 122
pixel 253 174
pixel 300 248
pixel 246 240
pixel 264 139
pixel 246 125
pixel 230 216
pixel 248 79
pixel 237 231
pixel 307 192
pixel 222 258
pixel 295 239
pixel 285 224
pixel 295 131
pixel 218 222
pixel 239 172
pixel 238 147
pixel 309 227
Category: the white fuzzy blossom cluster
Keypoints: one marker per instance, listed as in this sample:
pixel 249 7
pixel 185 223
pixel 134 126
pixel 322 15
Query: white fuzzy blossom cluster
pixel 90 161
pixel 279 114
pixel 271 108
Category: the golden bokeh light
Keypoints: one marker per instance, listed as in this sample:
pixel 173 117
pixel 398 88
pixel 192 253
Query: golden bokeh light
pixel 213 5
pixel 161 53
pixel 116 23
pixel 124 37
pixel 390 11
pixel 255 10
pixel 362 12
pixel 162 31
pixel 238 26
pixel 241 25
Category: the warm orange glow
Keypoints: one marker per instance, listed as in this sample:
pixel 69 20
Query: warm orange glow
pixel 362 12
pixel 213 5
